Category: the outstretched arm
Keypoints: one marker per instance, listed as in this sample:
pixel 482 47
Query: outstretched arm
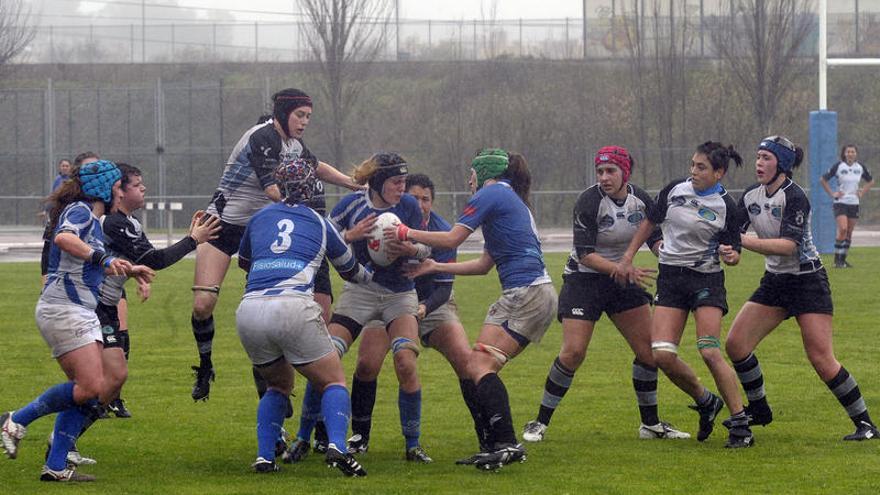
pixel 328 173
pixel 479 266
pixel 446 240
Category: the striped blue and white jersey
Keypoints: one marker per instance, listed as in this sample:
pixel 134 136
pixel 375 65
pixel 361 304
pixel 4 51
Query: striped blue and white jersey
pixel 71 280
pixel 510 234
pixel 285 246
pixel 356 206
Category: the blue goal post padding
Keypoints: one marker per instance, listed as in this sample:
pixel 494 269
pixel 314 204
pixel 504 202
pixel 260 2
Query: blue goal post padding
pixel 823 154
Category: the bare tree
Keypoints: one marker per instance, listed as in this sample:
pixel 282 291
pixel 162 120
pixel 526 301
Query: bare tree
pixel 15 31
pixel 658 38
pixel 760 42
pixel 345 37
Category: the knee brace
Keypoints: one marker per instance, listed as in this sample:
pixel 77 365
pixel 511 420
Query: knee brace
pixel 403 343
pixel 664 346
pixel 708 342
pixel 340 345
pixel 499 355
pixel 212 289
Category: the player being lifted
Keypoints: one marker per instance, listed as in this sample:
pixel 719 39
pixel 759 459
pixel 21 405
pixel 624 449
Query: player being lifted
pixel 247 185
pixel 606 216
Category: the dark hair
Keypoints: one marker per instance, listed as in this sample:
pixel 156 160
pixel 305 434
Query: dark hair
pixel 64 160
pixel 519 176
pixel 720 155
pixel 128 171
pixel 285 102
pixel 262 119
pixel 85 155
pixel 420 180
pixel 843 151
pixel 68 192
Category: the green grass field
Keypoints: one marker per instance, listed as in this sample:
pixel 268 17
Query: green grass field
pixel 173 445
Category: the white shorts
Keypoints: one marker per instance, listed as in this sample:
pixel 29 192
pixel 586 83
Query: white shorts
pixel 526 311
pixel 364 303
pixel 291 326
pixel 67 327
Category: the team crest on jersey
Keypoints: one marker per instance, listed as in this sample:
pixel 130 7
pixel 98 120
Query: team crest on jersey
pixel 635 218
pixel 799 218
pixel 707 214
pixel 677 201
pixel 776 212
pixel 754 209
pixel 606 222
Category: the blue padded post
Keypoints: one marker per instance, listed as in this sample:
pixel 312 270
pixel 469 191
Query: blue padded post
pixel 823 153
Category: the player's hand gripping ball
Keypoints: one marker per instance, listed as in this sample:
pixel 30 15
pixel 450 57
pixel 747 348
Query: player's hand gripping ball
pixel 377 245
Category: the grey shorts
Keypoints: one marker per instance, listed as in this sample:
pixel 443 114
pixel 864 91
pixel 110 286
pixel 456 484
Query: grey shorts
pixel 525 311
pixel 447 313
pixel 365 302
pixel 289 325
pixel 67 327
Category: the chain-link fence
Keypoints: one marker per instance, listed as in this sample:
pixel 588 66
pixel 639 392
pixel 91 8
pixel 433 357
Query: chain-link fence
pixel 604 31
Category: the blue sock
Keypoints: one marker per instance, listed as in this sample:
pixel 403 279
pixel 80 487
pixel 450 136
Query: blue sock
pixel 311 411
pixel 56 398
pixel 270 419
pixel 336 408
pixel 410 406
pixel 68 424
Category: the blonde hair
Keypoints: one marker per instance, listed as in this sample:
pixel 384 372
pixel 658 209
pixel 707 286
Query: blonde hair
pixel 367 168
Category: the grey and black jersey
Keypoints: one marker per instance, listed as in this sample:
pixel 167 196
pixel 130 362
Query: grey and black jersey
pixel 848 179
pixel 694 225
pixel 605 226
pixel 786 215
pixel 124 237
pixel 250 170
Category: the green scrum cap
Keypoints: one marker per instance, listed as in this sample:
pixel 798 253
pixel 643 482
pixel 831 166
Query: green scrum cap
pixel 489 163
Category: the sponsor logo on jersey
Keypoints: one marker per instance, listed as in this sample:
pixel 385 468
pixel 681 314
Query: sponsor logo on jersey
pixel 776 211
pixel 677 201
pixel 754 209
pixel 799 217
pixel 635 218
pixel 577 311
pixel 707 214
pixel 606 222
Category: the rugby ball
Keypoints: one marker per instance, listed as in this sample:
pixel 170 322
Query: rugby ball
pixel 376 243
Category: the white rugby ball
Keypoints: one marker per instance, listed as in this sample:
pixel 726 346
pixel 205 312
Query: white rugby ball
pixel 376 243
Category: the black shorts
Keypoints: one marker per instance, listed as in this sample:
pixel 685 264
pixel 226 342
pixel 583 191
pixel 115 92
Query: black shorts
pixel 322 280
pixel 584 296
pixel 849 211
pixel 44 257
pixel 683 288
pixel 229 238
pixel 109 318
pixel 797 294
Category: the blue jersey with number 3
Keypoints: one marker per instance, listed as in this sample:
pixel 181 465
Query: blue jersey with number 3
pixel 285 245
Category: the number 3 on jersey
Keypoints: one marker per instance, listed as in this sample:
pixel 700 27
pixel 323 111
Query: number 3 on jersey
pixel 282 243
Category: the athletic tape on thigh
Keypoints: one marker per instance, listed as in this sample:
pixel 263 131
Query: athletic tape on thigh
pixel 499 355
pixel 662 345
pixel 708 342
pixel 403 343
pixel 215 289
pixel 340 344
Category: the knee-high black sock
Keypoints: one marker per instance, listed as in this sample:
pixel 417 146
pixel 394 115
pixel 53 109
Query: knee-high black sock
pixel 259 382
pixel 469 394
pixel 845 249
pixel 203 331
pixel 363 399
pixel 92 412
pixel 495 407
pixel 644 380
pixel 752 378
pixel 558 382
pixel 845 388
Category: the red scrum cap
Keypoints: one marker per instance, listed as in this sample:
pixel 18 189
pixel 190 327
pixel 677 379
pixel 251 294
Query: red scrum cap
pixel 618 156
